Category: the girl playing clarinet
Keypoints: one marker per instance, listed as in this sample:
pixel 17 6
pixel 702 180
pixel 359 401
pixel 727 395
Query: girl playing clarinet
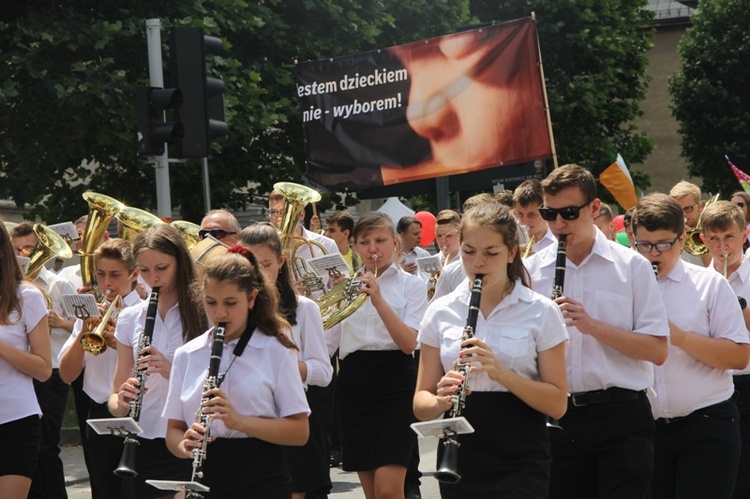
pixel 517 358
pixel 259 404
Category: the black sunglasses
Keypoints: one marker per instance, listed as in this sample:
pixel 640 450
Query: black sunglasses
pixel 568 213
pixel 215 233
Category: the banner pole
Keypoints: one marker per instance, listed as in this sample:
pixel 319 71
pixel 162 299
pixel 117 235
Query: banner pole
pixel 544 91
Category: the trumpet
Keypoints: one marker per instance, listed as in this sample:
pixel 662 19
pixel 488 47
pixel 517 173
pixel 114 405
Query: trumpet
pixel 94 341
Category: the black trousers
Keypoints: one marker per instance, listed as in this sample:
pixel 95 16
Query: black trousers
pixel 104 453
pixel 604 451
pixel 49 479
pixel 697 455
pixel 742 397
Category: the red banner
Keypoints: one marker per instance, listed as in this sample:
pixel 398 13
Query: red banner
pixel 448 105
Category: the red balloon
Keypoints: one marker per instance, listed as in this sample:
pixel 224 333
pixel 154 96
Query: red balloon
pixel 619 222
pixel 428 227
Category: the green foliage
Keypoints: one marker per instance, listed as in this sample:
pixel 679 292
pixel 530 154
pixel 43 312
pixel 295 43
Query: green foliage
pixel 710 96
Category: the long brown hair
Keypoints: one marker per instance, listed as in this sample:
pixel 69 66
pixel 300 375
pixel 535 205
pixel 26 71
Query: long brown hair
pixel 241 268
pixel 12 276
pixel 166 239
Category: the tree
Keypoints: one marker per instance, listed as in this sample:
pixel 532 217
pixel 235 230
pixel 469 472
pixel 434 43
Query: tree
pixel 594 56
pixel 68 78
pixel 710 96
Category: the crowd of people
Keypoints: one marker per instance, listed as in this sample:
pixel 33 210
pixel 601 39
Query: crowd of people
pixel 630 380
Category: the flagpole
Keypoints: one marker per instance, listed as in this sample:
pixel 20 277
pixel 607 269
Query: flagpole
pixel 544 91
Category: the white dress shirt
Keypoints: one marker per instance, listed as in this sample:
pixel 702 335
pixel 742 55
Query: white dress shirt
pixel 740 282
pixel 56 286
pixel 17 396
pixel 616 285
pixel 700 301
pixel 73 274
pixel 100 369
pixel 364 329
pixel 549 239
pixel 411 257
pixel 309 337
pixel 451 277
pixel 166 339
pixel 522 325
pixel 263 382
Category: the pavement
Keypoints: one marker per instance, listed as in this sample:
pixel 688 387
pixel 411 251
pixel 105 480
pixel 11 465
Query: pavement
pixel 345 485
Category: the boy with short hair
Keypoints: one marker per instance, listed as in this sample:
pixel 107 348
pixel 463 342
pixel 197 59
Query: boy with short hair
pixel 527 199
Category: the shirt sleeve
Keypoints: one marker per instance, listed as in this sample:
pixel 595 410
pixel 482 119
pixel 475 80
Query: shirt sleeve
pixel 649 312
pixel 34 307
pixel 314 348
pixel 553 330
pixel 173 405
pixel 429 332
pixel 416 300
pixel 725 316
pixel 289 394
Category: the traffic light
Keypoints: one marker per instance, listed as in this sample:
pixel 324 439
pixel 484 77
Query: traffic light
pixel 153 130
pixel 202 109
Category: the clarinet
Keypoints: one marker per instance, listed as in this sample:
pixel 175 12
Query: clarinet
pixel 447 470
pixel 557 292
pixel 127 461
pixel 212 381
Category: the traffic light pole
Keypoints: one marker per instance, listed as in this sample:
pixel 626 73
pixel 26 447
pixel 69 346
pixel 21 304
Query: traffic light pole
pixel 161 163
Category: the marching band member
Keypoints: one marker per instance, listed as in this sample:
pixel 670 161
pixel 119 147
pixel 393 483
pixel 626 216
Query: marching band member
pixel 339 227
pixel 116 274
pixel 164 262
pixel 378 370
pixel 409 230
pixel 24 356
pixel 689 197
pixel 697 444
pixel 724 234
pixel 519 370
pixel 527 198
pixel 308 465
pixel 259 404
pixel 52 394
pixel 276 203
pixel 618 329
pixel 605 221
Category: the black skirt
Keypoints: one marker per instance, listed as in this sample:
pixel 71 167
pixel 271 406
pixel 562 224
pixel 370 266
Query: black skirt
pixel 309 464
pixel 375 394
pixel 154 461
pixel 21 440
pixel 508 455
pixel 246 467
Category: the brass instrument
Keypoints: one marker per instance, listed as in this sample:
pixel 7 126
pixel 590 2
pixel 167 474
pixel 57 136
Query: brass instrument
pixel 49 244
pixel 101 210
pixel 93 342
pixel 344 298
pixel 529 247
pixel 297 196
pixel 213 380
pixel 135 220
pixel 435 273
pixel 126 468
pixel 693 243
pixel 189 232
pixel 447 469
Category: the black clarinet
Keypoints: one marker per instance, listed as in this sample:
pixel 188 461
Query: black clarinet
pixel 447 470
pixel 126 467
pixel 557 292
pixel 212 381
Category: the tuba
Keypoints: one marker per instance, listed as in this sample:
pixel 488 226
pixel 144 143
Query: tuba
pixel 189 232
pixel 297 196
pixel 693 243
pixel 101 210
pixel 135 220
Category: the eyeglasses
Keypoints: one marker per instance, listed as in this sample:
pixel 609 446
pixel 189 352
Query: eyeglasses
pixel 689 209
pixel 567 213
pixel 25 251
pixel 661 247
pixel 275 213
pixel 215 233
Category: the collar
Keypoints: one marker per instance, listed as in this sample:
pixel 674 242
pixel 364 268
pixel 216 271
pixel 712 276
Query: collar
pixel 520 293
pixel 44 277
pixel 678 272
pixel 549 235
pixel 131 299
pixel 742 273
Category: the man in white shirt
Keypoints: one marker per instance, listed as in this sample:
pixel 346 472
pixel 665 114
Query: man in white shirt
pixel 527 198
pixel 49 480
pixel 409 230
pixel 689 197
pixel 697 441
pixel 618 330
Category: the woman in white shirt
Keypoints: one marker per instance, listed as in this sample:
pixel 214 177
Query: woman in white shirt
pixel 378 368
pixel 308 465
pixel 164 262
pixel 24 356
pixel 260 402
pixel 116 275
pixel 517 360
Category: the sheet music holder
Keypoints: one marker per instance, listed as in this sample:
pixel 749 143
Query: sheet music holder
pixel 331 265
pixel 178 486
pixel 429 264
pixel 80 306
pixel 119 427
pixel 442 427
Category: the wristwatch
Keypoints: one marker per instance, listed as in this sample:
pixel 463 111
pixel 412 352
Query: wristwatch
pixel 743 302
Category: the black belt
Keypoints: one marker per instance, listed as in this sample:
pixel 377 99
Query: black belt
pixel 595 397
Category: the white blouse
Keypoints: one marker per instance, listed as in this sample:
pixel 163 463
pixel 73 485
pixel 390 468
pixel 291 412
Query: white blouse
pixel 522 325
pixel 17 396
pixel 167 338
pixel 309 337
pixel 263 382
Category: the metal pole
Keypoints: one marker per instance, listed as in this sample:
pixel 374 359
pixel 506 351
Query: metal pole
pixel 443 193
pixel 161 163
pixel 206 188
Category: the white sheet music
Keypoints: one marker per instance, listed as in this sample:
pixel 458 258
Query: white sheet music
pixel 67 230
pixel 81 306
pixel 334 262
pixel 429 264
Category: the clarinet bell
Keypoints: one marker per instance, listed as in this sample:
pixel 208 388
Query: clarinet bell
pixel 126 468
pixel 446 471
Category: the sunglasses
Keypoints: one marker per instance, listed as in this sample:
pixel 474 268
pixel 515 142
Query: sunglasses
pixel 215 233
pixel 567 213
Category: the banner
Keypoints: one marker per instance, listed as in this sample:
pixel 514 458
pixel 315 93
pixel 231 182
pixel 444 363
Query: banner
pixel 448 105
